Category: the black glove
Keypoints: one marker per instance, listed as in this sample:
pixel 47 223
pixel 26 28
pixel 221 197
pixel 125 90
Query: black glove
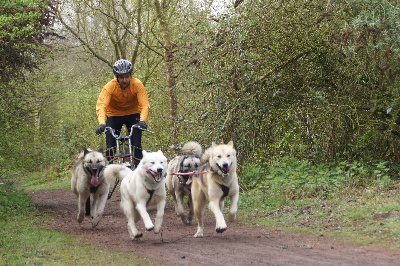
pixel 142 124
pixel 100 129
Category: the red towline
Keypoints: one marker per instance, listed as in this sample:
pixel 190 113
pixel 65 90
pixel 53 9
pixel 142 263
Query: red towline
pixel 190 173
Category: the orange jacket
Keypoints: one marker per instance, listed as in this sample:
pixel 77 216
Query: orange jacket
pixel 114 101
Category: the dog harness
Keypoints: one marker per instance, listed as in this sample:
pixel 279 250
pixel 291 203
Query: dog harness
pixel 151 192
pixel 225 190
pixel 113 189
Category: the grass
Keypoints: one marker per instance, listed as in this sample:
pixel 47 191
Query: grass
pixel 353 215
pixel 36 181
pixel 25 241
pixel 356 202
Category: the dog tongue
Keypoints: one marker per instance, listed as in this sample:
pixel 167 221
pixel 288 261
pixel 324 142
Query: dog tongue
pixel 94 181
pixel 158 177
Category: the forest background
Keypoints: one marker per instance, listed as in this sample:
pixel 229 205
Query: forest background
pixel 309 91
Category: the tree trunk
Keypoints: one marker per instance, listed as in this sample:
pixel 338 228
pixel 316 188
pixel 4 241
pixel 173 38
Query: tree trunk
pixel 170 72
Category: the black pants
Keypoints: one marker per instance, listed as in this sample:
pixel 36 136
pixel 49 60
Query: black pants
pixel 116 122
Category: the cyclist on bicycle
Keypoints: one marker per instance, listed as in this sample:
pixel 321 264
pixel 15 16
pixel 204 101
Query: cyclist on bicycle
pixel 123 101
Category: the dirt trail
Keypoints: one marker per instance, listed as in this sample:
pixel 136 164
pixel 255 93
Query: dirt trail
pixel 239 245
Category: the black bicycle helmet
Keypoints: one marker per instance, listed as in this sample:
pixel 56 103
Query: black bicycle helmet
pixel 122 67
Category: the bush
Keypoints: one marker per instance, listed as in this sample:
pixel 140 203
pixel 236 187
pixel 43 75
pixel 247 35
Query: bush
pixel 14 202
pixel 275 183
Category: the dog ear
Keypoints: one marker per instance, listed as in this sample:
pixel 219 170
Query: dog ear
pixel 100 150
pixel 230 143
pixel 85 151
pixel 213 144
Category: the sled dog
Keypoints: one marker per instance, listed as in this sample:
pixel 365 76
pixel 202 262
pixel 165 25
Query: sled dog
pixel 88 178
pixel 142 187
pixel 217 181
pixel 180 185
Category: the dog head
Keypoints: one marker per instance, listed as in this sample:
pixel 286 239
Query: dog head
pixel 154 164
pixel 94 163
pixel 189 163
pixel 222 158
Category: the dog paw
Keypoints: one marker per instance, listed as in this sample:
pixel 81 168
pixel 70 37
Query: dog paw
pixel 220 230
pixel 150 228
pixel 185 219
pixel 198 234
pixel 80 217
pixel 137 236
pixel 95 222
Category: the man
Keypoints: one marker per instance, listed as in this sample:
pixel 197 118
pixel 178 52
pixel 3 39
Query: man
pixel 123 101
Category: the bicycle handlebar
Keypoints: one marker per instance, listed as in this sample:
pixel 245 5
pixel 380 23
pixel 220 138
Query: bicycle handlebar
pixel 130 134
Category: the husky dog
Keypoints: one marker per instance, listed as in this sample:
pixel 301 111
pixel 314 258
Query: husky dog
pixel 179 185
pixel 141 187
pixel 87 177
pixel 218 181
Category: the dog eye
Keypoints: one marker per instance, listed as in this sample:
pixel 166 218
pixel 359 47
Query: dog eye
pixel 219 156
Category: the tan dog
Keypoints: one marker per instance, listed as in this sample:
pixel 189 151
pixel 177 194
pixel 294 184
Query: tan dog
pixel 218 181
pixel 142 187
pixel 179 186
pixel 87 177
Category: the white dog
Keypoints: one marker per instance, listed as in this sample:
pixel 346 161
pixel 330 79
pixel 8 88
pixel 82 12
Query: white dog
pixel 142 187
pixel 218 181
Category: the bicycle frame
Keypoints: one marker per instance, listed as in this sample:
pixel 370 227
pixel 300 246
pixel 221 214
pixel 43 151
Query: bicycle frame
pixel 121 142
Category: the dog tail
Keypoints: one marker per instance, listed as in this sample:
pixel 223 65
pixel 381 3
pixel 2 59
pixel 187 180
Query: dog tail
pixel 192 148
pixel 206 156
pixel 114 172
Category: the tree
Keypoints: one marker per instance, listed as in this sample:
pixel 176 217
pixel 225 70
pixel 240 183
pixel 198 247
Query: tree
pixel 109 30
pixel 169 63
pixel 24 27
pixel 285 78
pixel 112 29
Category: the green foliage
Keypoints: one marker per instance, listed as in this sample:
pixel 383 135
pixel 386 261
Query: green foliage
pixel 14 202
pixel 22 27
pixel 288 179
pixel 278 79
pixel 358 216
pixel 356 201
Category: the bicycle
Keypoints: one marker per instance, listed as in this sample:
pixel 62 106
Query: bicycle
pixel 124 148
pixel 123 151
pixel 123 154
